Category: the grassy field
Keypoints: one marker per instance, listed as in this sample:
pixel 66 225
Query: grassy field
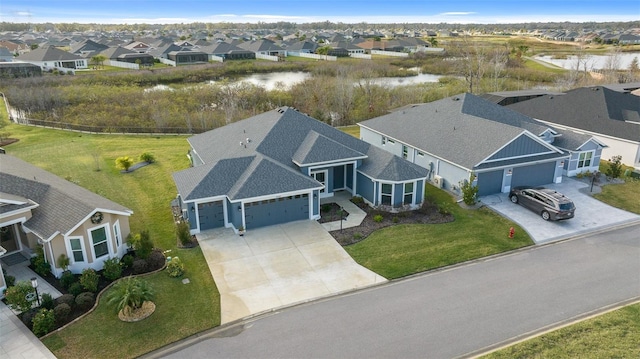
pixel 182 310
pixel 398 251
pixel 612 335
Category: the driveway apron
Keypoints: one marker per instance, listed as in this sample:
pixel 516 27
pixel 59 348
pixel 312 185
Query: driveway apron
pixel 591 215
pixel 279 266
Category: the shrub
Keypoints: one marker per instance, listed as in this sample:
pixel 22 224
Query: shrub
pixel 127 260
pixel 9 280
pixel 469 191
pixel 61 312
pixel 183 233
pixel 142 244
pixel 68 299
pixel 124 162
pixel 395 220
pixel 39 264
pixel 129 294
pixel 67 279
pixel 175 267
pixel 75 288
pixel 44 322
pixel 16 296
pixel 46 301
pixel 615 167
pixel 139 266
pixel 27 317
pixel 156 260
pixel 85 300
pixel 63 262
pixel 377 218
pixel 326 207
pixel 147 157
pixel 112 269
pixel 444 208
pixel 357 236
pixel 357 200
pixel 89 280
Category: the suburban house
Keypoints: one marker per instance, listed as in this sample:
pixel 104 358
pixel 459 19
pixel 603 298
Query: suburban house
pixel 38 208
pixel 122 54
pixel 466 137
pixel 51 57
pixel 274 168
pixel 264 47
pixel 612 117
pixel 227 51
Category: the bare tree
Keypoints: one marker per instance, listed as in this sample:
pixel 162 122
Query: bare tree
pixel 471 64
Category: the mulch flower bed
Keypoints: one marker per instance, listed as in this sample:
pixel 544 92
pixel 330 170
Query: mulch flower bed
pixel 428 213
pixel 330 212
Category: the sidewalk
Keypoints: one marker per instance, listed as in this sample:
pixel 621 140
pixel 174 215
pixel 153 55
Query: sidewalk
pixel 355 217
pixel 16 340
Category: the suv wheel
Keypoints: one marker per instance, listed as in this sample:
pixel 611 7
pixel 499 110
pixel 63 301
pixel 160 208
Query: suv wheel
pixel 514 198
pixel 545 215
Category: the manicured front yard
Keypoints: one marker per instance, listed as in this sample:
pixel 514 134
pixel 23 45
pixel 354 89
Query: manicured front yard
pixel 611 335
pixel 401 250
pixel 182 309
pixel 625 195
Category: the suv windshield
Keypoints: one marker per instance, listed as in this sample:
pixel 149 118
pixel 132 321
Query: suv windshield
pixel 566 206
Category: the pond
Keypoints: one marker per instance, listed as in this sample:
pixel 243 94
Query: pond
pixel 593 62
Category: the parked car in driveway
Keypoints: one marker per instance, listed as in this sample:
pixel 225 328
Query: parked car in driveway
pixel 549 204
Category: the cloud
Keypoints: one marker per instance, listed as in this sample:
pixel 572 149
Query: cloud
pixel 275 17
pixel 23 13
pixel 456 13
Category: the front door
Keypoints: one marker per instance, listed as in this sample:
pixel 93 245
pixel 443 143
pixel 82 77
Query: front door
pixel 9 239
pixel 321 176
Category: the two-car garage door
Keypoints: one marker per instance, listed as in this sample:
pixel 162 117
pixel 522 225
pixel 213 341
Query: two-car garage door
pixel 534 175
pixel 276 211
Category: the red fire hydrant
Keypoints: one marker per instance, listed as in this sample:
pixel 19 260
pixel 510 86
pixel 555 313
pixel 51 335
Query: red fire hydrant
pixel 511 232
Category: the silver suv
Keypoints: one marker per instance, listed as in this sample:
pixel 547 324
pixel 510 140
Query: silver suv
pixel 549 204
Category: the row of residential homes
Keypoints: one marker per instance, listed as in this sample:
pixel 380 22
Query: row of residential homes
pixel 276 166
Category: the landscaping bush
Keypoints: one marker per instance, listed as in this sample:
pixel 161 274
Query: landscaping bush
pixel 68 299
pixel 112 269
pixel 142 244
pixel 63 261
pixel 615 167
pixel 16 296
pixel 61 313
pixel 85 300
pixel 46 301
pixel 44 322
pixel 183 233
pixel 27 317
pixel 67 279
pixel 124 162
pixel 175 267
pixel 139 266
pixel 357 200
pixel 147 157
pixel 9 280
pixel 469 191
pixel 127 260
pixel 377 218
pixel 129 294
pixel 156 260
pixel 89 280
pixel 39 264
pixel 75 288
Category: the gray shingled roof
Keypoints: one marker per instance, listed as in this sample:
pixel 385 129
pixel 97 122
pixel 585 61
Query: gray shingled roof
pixel 48 53
pixel 62 204
pixel 463 129
pixel 596 109
pixel 255 157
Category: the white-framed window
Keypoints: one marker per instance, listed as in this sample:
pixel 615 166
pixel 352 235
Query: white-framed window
pixel 391 141
pixel 420 154
pixel 405 152
pixel 585 158
pixel 77 250
pixel 116 233
pixel 386 193
pixel 99 242
pixel 384 140
pixel 408 193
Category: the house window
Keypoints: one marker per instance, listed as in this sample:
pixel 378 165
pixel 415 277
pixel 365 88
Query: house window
pixel 116 232
pixel 585 159
pixel 384 140
pixel 99 239
pixel 391 141
pixel 420 154
pixel 405 152
pixel 76 249
pixel 408 193
pixel 386 194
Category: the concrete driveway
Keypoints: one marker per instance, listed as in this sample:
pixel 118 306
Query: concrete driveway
pixel 590 215
pixel 278 266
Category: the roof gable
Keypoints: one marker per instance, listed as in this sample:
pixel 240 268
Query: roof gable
pixel 316 148
pixel 521 146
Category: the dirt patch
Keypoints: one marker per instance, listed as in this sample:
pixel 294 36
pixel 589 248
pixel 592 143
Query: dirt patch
pixel 8 141
pixel 376 219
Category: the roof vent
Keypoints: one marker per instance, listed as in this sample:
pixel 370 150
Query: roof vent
pixel 456 99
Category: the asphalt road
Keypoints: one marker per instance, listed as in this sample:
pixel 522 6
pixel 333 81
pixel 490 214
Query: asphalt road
pixel 447 313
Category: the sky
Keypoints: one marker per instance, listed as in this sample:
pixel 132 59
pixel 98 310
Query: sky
pixel 304 11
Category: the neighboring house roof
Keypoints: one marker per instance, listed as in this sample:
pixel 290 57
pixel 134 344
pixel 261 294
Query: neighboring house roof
pixel 49 53
pixel 260 46
pixel 87 46
pixel 62 205
pixel 262 156
pixel 596 109
pixel 464 129
pixel 114 53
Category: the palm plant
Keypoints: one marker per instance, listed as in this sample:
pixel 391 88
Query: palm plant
pixel 129 294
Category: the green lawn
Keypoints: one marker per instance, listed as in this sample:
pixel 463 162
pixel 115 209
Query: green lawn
pixel 398 251
pixel 612 335
pixel 352 130
pixel 182 310
pixel 625 196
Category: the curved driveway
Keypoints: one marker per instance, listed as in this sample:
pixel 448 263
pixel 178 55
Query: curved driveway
pixel 444 314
